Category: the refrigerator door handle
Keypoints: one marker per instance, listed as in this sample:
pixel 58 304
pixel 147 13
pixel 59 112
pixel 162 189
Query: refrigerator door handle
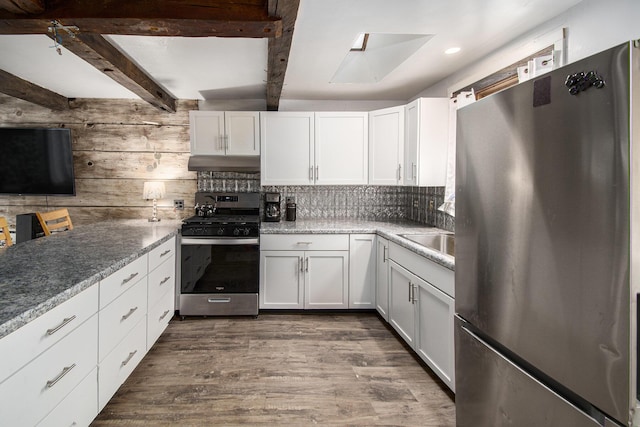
pixel 409 290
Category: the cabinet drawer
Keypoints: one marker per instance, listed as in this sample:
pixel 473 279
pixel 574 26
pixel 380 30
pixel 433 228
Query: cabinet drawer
pixel 439 276
pixel 79 408
pixel 26 343
pixel 161 253
pixel 161 279
pixel 119 364
pixel 117 319
pixel 159 316
pixel 305 242
pixel 122 280
pixel 40 386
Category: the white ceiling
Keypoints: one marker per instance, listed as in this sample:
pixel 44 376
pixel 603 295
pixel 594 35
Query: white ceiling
pixel 228 68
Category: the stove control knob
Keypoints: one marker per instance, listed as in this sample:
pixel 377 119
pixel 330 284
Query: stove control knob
pixel 220 231
pixel 236 231
pixel 246 231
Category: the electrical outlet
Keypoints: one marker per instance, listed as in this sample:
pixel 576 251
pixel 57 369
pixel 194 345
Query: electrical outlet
pixel 430 205
pixel 178 204
pixel 416 204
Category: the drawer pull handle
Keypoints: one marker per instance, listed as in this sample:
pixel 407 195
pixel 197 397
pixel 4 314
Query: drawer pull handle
pixel 165 252
pixel 216 300
pixel 164 314
pixel 64 372
pixel 64 323
pixel 130 278
pixel 163 281
pixel 128 359
pixel 126 316
pixel 305 243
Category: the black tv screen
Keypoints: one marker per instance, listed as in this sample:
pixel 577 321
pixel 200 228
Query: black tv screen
pixel 36 162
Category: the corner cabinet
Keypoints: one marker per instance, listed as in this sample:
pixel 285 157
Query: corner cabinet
pixel 426 142
pixel 314 148
pixel 386 146
pixel 421 309
pixel 225 133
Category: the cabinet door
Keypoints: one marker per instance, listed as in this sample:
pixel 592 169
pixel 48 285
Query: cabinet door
pixel 287 148
pixel 207 132
pixel 386 145
pixel 434 339
pixel 411 120
pixel 242 133
pixel 341 147
pixel 401 306
pixel 362 270
pixel 426 142
pixel 281 279
pixel 326 279
pixel 382 277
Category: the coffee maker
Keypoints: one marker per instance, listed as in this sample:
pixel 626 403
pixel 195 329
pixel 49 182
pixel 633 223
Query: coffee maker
pixel 272 207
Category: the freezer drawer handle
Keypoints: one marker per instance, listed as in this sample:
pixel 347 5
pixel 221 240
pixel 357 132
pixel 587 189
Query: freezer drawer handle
pixel 218 300
pixel 64 372
pixel 64 323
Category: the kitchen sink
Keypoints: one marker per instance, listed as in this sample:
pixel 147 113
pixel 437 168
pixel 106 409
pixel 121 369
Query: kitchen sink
pixel 443 242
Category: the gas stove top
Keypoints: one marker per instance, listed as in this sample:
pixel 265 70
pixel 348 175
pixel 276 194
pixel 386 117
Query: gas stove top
pixel 224 215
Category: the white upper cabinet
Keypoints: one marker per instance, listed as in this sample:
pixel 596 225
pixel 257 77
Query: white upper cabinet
pixel 386 146
pixel 341 146
pixel 314 148
pixel 287 148
pixel 219 133
pixel 425 147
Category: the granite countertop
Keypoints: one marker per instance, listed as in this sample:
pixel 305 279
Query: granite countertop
pixel 388 230
pixel 38 275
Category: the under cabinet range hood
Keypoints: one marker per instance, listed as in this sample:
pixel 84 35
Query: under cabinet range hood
pixel 224 163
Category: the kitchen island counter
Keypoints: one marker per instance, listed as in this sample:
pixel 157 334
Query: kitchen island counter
pixel 40 274
pixel 391 230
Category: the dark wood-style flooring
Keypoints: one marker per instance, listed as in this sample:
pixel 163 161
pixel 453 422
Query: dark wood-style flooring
pixel 281 369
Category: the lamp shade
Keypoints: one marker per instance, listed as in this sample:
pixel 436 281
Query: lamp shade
pixel 153 190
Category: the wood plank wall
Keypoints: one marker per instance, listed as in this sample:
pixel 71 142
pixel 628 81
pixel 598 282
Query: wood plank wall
pixel 117 146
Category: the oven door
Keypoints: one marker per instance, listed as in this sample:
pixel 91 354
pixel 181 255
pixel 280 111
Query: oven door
pixel 220 277
pixel 220 265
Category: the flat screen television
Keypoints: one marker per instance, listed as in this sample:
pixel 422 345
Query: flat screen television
pixel 36 162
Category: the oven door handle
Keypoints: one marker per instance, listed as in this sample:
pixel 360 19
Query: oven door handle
pixel 220 242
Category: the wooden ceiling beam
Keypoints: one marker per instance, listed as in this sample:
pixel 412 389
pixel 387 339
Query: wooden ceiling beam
pixel 185 18
pixel 97 51
pixel 278 50
pixel 22 6
pixel 19 88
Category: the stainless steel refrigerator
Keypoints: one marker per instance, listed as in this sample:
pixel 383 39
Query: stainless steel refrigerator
pixel 548 249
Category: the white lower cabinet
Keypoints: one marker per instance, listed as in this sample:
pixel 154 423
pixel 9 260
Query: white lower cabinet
pixel 79 408
pixel 301 271
pixel 422 311
pixel 120 362
pixel 304 279
pixel 382 277
pixel 35 390
pixel 362 271
pixel 434 338
pixel 402 313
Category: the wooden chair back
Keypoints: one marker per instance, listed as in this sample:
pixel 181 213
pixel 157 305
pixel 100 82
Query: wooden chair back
pixel 4 232
pixel 58 220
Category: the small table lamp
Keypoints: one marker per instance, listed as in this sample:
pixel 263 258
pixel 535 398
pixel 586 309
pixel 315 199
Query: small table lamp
pixel 154 190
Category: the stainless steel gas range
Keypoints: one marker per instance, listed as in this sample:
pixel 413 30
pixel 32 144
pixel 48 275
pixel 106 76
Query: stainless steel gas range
pixel 220 255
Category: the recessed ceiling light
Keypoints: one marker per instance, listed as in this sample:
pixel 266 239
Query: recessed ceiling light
pixel 452 50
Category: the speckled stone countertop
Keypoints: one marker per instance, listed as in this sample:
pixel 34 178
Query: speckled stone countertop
pixel 388 230
pixel 38 275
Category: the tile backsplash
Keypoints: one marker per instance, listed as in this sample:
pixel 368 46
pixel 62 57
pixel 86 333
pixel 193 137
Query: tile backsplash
pixel 367 202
